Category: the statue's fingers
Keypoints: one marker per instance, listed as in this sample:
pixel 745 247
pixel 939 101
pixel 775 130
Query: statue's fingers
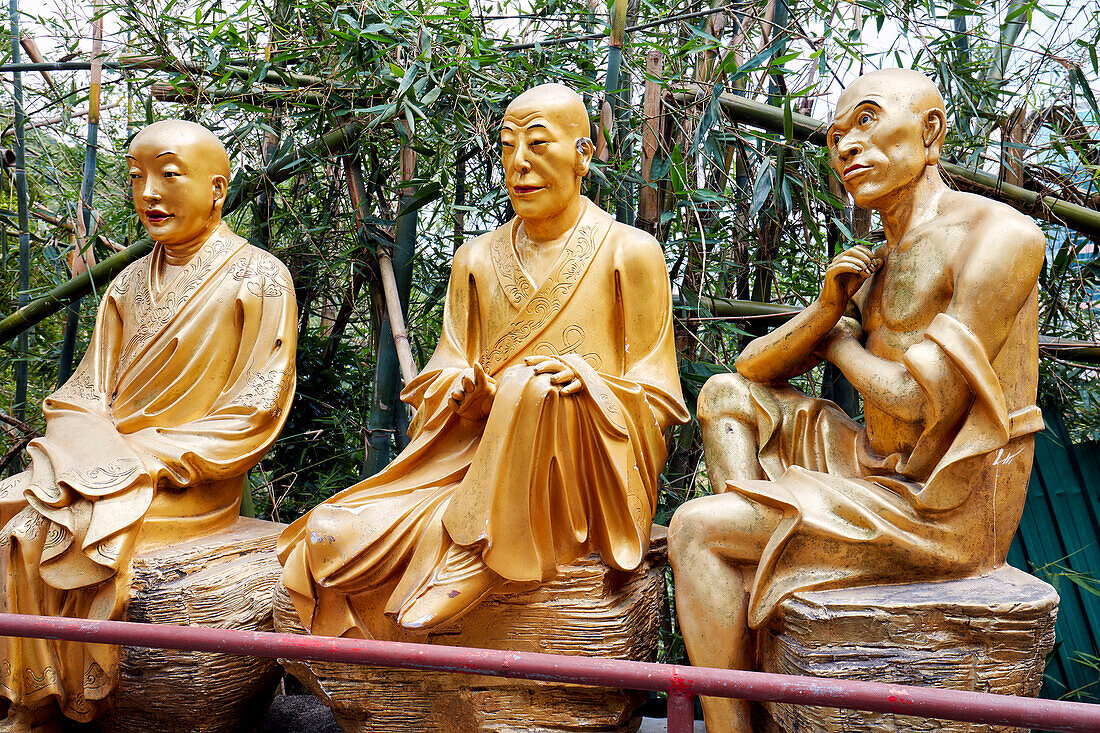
pixel 573 387
pixel 564 376
pixel 536 359
pixel 549 366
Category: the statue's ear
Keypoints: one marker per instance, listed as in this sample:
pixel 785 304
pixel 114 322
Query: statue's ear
pixel 585 150
pixel 220 185
pixel 934 132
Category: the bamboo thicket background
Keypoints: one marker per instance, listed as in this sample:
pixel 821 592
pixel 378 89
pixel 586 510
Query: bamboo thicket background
pixel 366 133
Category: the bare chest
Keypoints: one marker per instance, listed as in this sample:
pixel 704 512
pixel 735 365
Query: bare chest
pixel 914 285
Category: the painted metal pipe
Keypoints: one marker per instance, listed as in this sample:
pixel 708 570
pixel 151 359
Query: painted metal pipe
pixel 973 707
pixel 681 711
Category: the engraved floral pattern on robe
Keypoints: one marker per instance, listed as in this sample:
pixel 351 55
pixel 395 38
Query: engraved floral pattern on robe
pixel 186 283
pixel 265 390
pixel 547 300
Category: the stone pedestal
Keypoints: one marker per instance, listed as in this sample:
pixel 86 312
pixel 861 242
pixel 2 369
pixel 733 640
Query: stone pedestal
pixel 587 610
pixel 985 634
pixel 225 581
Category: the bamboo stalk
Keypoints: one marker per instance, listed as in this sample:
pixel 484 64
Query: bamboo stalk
pixel 1083 351
pixel 31 47
pixel 397 321
pixel 613 95
pixel 768 117
pixel 652 122
pixel 19 406
pixel 84 207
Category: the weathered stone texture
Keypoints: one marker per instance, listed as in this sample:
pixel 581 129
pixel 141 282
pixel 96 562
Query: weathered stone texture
pixel 587 610
pixel 986 634
pixel 224 581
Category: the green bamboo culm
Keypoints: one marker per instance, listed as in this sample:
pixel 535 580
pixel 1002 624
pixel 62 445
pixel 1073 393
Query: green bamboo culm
pixel 770 118
pixel 85 237
pixel 613 93
pixel 19 407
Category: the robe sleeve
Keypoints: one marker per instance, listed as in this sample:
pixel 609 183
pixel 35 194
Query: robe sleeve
pixel 645 297
pixel 458 348
pixel 250 411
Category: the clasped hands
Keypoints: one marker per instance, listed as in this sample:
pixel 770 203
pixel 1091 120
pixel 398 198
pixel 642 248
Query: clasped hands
pixel 473 391
pixel 844 276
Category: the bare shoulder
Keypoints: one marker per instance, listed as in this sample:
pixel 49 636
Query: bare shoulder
pixel 999 229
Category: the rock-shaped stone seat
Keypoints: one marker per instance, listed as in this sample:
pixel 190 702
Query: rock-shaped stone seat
pixel 990 633
pixel 224 580
pixel 587 610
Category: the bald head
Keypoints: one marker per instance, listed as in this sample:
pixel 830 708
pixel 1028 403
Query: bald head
pixel 188 140
pixel 556 101
pixel 902 88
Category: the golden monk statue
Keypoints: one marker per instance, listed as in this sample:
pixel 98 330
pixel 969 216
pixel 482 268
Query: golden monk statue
pixel 943 349
pixel 539 432
pixel 185 385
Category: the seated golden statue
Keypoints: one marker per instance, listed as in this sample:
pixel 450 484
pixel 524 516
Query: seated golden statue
pixel 184 386
pixel 944 354
pixel 539 433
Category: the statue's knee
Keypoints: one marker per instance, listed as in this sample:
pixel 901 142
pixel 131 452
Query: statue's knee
pixel 725 395
pixel 687 530
pixel 324 524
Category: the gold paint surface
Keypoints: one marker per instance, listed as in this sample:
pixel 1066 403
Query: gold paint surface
pixel 184 386
pixel 937 330
pixel 539 431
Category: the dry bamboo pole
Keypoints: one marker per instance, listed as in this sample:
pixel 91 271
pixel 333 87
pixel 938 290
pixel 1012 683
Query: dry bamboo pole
pixel 397 320
pixel 357 193
pixel 649 213
pixel 31 47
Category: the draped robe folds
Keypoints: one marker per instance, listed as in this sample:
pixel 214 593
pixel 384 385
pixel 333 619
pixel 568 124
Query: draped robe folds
pixel 183 388
pixel 545 478
pixel 851 517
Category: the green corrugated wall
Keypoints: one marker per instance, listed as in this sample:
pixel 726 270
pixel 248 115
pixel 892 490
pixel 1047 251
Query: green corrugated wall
pixel 1060 535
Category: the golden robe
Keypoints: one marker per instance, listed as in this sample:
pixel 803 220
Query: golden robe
pixel 183 388
pixel 545 478
pixel 851 517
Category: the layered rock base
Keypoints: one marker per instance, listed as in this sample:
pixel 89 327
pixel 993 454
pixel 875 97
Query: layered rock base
pixel 226 581
pixel 985 634
pixel 587 610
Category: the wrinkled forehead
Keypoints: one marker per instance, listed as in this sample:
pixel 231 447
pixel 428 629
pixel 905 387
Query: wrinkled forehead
pixel 878 91
pixel 558 119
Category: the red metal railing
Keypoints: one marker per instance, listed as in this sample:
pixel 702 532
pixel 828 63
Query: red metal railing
pixel 682 683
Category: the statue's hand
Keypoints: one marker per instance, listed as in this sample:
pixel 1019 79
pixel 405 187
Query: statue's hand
pixel 472 395
pixel 561 374
pixel 846 273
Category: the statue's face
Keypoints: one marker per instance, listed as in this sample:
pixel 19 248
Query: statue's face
pixel 876 141
pixel 174 191
pixel 540 161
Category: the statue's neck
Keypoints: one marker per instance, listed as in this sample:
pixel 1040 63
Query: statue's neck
pixel 917 204
pixel 178 255
pixel 553 228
